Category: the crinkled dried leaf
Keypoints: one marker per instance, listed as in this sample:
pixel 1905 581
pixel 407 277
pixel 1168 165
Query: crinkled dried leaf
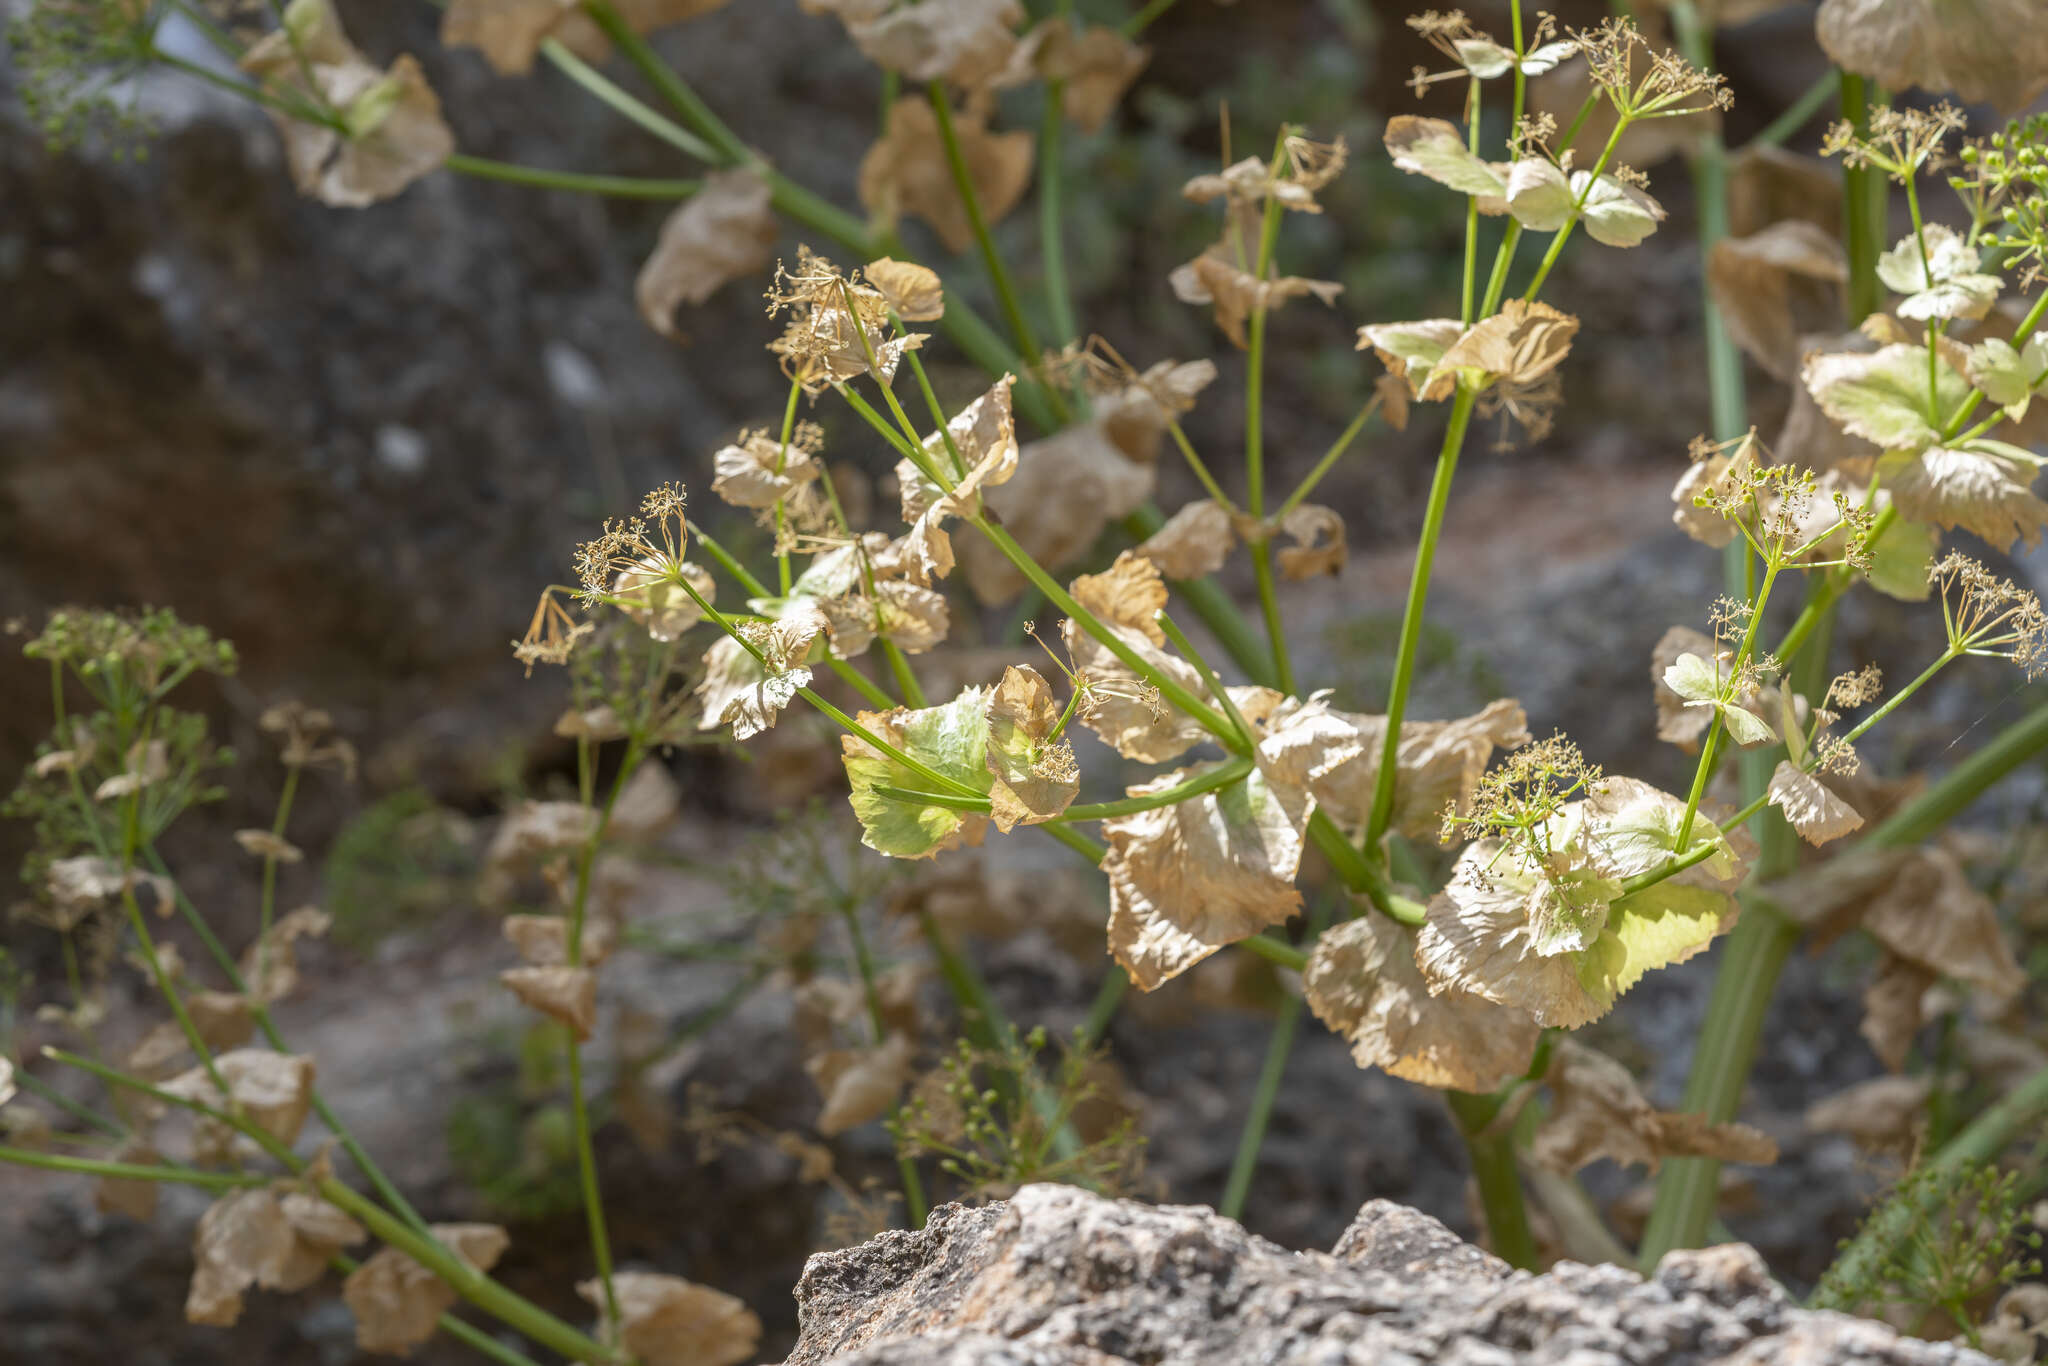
pixel 395 132
pixel 1122 709
pixel 274 1090
pixel 1942 282
pixel 753 706
pixel 859 1084
pixel 1882 396
pixel 1989 51
pixel 1930 914
pixel 1035 776
pixel 1761 282
pixel 1337 753
pixel 1518 345
pixel 1188 879
pixel 242 1240
pixel 668 1321
pixel 1234 293
pixel 648 597
pixel 912 290
pixel 1319 535
pixel 1814 811
pixel 1599 1112
pixel 542 941
pixel 916 619
pixel 562 993
pixel 966 42
pixel 222 1019
pixel 1983 486
pixel 906 170
pixel 1893 1009
pixel 508 32
pixel 984 433
pixel 1413 351
pixel 1097 63
pixel 397 1302
pixel 136 1200
pixel 319 1230
pixel 1435 148
pixel 270 966
pixel 264 845
pixel 1362 982
pixel 1129 594
pixel 1194 541
pixel 1883 1114
pixel 1067 490
pixel 1615 213
pixel 725 230
pixel 950 739
pixel 759 473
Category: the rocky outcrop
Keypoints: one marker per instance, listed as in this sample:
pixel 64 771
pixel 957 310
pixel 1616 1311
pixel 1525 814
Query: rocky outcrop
pixel 1059 1277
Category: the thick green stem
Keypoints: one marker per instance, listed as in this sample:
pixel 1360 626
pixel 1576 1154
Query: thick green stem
pixel 1052 228
pixel 540 178
pixel 129 1171
pixel 1253 1136
pixel 1411 619
pixel 1494 1172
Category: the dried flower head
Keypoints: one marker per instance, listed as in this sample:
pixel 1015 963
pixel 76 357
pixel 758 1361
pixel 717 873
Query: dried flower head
pixel 1989 616
pixel 838 326
pixel 1901 142
pixel 1663 86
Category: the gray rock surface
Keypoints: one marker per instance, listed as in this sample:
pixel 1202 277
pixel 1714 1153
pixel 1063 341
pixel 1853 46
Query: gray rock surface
pixel 1060 1277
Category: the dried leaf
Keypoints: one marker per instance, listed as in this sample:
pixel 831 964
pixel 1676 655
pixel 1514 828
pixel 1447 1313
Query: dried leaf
pixel 395 132
pixel 1983 486
pixel 1985 51
pixel 1125 710
pixel 1194 541
pixel 274 1091
pixel 1036 778
pixel 1414 352
pixel 1893 1009
pixel 1067 490
pixel 860 1084
pixel 222 1019
pixel 241 1241
pixel 1814 811
pixel 1599 1112
pixel 8 1090
pixel 397 1302
pixel 1678 722
pixel 1234 293
pixel 912 290
pixel 1882 396
pixel 1319 549
pixel 1129 594
pixel 1362 982
pixel 542 941
pixel 136 1200
pixel 965 42
pixel 270 966
pixel 1767 185
pixel 1436 148
pixel 1762 281
pixel 508 32
pixel 724 231
pixel 668 1321
pixel 1096 62
pixel 1885 1115
pixel 1186 880
pixel 984 433
pixel 906 171
pixel 1615 213
pixel 1518 345
pixel 562 993
pixel 1929 913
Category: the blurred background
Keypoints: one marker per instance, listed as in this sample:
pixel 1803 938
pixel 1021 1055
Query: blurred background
pixel 358 443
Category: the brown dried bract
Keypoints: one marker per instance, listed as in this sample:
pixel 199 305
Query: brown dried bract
pixel 1319 542
pixel 1599 1112
pixel 906 171
pixel 1764 283
pixel 860 1084
pixel 968 43
pixel 912 290
pixel 668 1321
pixel 562 993
pixel 397 1302
pixel 725 230
pixel 1194 542
pixel 1362 982
pixel 1810 805
pixel 1985 51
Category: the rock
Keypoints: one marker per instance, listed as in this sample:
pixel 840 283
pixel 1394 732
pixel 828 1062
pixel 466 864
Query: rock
pixel 1061 1277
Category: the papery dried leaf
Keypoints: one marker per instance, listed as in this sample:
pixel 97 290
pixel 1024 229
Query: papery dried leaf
pixel 1320 549
pixel 965 42
pixel 1234 293
pixel 241 1241
pixel 562 993
pixel 916 619
pixel 950 739
pixel 542 941
pixel 264 845
pixel 912 290
pixel 1338 754
pixel 508 32
pixel 1194 541
pixel 1759 281
pixel 1985 51
pixel 1883 1115
pixel 860 1084
pixel 906 171
pixel 759 473
pixel 646 806
pixel 1096 62
pixel 1188 879
pixel 274 1091
pixel 1519 345
pixel 319 1230
pixel 648 597
pixel 1125 710
pixel 1413 351
pixel 985 436
pixel 270 966
pixel 1599 1112
pixel 1768 184
pixel 1678 723
pixel 395 133
pixel 1067 490
pixel 1035 776
pixel 397 1302
pixel 1930 913
pixel 754 706
pixel 1129 594
pixel 533 830
pixel 1814 811
pixel 136 1200
pixel 668 1321
pixel 1983 486
pixel 222 1019
pixel 1893 1009
pixel 1362 982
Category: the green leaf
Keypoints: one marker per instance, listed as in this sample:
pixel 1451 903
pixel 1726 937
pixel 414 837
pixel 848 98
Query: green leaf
pixel 952 740
pixel 1882 396
pixel 1694 679
pixel 1900 559
pixel 1539 196
pixel 1658 926
pixel 2008 377
pixel 1569 911
pixel 1616 215
pixel 1434 148
pixel 1745 727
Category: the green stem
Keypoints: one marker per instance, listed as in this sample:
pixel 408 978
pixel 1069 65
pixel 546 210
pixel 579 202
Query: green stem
pixel 914 1206
pixel 625 187
pixel 610 95
pixel 1494 1172
pixel 1052 228
pixel 1273 951
pixel 1578 209
pixel 1209 602
pixel 1327 463
pixel 1253 1136
pixel 1797 114
pixel 1223 775
pixel 130 1171
pixel 1411 620
pixel 1142 20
